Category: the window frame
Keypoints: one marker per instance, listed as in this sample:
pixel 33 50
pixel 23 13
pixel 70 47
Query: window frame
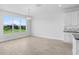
pixel 12 19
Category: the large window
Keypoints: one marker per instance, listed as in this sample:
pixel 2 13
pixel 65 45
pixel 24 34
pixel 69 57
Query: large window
pixel 23 25
pixel 7 22
pixel 14 24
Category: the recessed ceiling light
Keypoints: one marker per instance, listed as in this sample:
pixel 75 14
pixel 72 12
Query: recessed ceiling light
pixel 38 5
pixel 59 5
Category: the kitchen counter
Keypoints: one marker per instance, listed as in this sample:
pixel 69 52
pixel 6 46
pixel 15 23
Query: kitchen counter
pixel 74 33
pixel 75 38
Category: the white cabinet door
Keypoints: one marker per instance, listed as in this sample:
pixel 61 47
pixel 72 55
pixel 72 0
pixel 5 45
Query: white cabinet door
pixel 68 37
pixel 71 18
pixel 68 19
pixel 74 18
pixel 77 17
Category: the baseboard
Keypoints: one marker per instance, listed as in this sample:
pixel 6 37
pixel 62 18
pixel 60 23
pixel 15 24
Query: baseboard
pixel 52 38
pixel 67 42
pixel 47 38
pixel 15 39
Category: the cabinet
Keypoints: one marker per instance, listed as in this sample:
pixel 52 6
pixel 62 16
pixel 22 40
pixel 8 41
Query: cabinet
pixel 71 18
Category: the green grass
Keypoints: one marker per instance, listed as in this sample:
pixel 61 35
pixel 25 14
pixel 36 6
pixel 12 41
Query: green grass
pixel 8 32
pixel 18 30
pixel 22 30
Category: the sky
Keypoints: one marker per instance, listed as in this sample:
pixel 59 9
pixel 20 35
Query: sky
pixel 8 20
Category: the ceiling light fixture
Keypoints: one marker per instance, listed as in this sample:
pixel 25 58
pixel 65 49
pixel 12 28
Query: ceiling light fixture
pixel 29 17
pixel 38 5
pixel 59 5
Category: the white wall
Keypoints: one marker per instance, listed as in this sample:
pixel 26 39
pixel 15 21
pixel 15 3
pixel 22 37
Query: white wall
pixel 48 22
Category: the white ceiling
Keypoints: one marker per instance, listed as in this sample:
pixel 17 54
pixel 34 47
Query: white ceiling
pixel 18 8
pixel 23 8
pixel 69 5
